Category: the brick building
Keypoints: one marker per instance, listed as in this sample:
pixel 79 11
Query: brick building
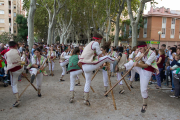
pixel 159 19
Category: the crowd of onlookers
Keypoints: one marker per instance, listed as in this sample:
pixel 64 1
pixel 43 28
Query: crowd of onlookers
pixel 168 61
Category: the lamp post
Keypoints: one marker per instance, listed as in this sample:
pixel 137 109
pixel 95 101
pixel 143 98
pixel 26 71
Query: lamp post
pixel 159 38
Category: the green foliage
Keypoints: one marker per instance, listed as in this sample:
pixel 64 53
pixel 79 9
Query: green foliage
pixel 5 37
pixel 85 14
pixel 112 29
pixel 57 38
pixel 22 27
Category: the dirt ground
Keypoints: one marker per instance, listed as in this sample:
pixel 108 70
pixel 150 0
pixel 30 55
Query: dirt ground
pixel 54 103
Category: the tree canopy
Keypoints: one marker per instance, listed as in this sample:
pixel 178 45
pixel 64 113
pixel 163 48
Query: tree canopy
pixel 22 27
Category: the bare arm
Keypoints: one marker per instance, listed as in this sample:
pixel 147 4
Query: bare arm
pixel 159 61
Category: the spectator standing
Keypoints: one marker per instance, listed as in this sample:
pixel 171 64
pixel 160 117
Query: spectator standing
pixel 160 62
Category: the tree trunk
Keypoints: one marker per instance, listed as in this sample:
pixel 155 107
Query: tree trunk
pixel 108 30
pixel 134 34
pixel 49 35
pixel 116 38
pixel 31 24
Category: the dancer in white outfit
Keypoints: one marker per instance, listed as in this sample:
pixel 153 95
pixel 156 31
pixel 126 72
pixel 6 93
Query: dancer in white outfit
pixel 121 60
pixel 105 67
pixel 37 68
pixel 74 70
pixel 90 60
pixel 149 66
pixel 114 55
pixel 14 66
pixel 51 55
pixel 133 56
pixel 64 60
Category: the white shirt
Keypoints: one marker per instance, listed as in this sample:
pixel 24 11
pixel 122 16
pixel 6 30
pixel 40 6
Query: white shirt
pixel 132 55
pixel 37 62
pixel 53 54
pixel 65 55
pixel 95 46
pixel 150 59
pixel 171 57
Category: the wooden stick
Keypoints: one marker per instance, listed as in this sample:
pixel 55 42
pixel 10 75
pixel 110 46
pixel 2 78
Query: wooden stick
pixel 90 86
pixel 29 81
pixel 126 73
pixel 126 83
pixel 24 89
pixel 95 74
pixel 114 103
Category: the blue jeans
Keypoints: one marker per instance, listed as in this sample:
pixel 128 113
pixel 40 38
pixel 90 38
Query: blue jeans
pixel 158 77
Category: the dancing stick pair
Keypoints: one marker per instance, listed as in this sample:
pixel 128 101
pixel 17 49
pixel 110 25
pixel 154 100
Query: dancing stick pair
pixel 126 73
pixel 30 81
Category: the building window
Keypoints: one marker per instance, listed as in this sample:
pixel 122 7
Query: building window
pixel 14 7
pixel 172 31
pixel 163 33
pixel 2 29
pixel 163 30
pixel 145 28
pixel 1 20
pixel 164 20
pixel 14 14
pixel 145 21
pixel 1 11
pixel 14 24
pixel 145 31
pixel 173 21
pixel 1 3
pixel 14 31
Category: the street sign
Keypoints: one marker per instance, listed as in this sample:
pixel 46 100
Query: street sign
pixel 152 42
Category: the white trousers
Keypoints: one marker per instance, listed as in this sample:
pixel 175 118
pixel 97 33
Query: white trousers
pixel 63 65
pixel 145 76
pixel 111 67
pixel 39 77
pixel 132 75
pixel 105 78
pixel 52 63
pixel 73 77
pixel 14 79
pixel 88 68
pixel 119 77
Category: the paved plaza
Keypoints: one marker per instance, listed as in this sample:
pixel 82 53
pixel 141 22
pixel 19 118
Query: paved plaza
pixel 54 103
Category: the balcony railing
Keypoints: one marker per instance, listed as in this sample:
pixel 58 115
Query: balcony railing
pixel 9 7
pixel 9 24
pixel 9 15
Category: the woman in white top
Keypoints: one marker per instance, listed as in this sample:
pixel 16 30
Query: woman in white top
pixel 51 55
pixel 37 68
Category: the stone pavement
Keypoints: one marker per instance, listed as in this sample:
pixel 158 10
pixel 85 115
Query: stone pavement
pixel 54 103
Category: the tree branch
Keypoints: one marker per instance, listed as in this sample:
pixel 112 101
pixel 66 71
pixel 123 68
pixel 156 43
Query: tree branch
pixel 59 6
pixel 140 10
pixel 130 10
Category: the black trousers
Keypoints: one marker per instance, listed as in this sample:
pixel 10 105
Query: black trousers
pixel 177 86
